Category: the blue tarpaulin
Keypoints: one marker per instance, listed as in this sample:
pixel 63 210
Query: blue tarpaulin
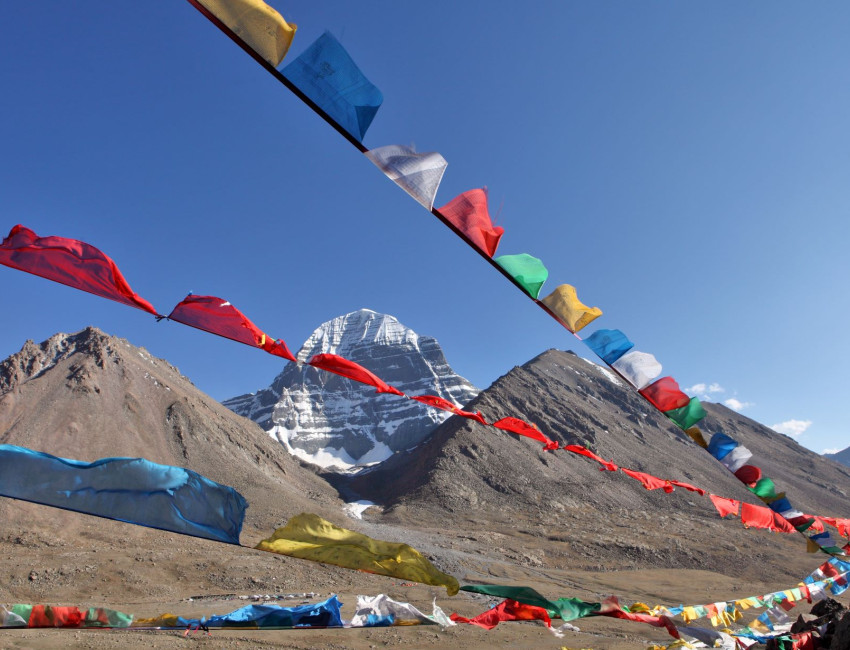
pixel 133 490
pixel 328 76
pixel 609 345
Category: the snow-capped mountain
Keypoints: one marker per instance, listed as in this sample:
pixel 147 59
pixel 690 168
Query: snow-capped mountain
pixel 339 424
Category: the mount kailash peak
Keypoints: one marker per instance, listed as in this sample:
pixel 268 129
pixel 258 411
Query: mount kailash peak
pixel 339 424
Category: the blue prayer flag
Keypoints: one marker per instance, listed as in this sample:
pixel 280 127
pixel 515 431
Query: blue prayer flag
pixel 720 445
pixel 609 345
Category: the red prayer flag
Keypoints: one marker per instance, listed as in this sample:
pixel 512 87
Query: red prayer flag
pixel 804 641
pixel 446 405
pixel 690 487
pixel 782 525
pixel 611 607
pixel 756 516
pixel 51 616
pixel 516 425
pixel 749 474
pixel 725 506
pixel 468 213
pixel 648 481
pixel 508 610
pixel 218 316
pixel 584 451
pixel 665 394
pixel 345 368
pixel 70 262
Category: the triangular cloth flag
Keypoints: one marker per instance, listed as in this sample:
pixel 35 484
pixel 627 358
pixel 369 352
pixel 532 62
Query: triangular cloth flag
pixel 638 368
pixel 218 316
pixel 69 262
pixel 527 271
pixel 468 213
pixel 515 425
pixel 326 74
pixel 648 481
pixel 725 506
pixel 564 303
pixel 345 368
pixel 261 27
pixel 665 394
pixel 446 405
pixel 310 537
pixel 418 174
pixel 134 490
pixel 584 451
pixel 689 415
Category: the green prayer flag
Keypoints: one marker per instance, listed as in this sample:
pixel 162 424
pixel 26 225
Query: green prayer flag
pixel 688 415
pixel 528 271
pixel 24 611
pixel 568 609
pixel 764 488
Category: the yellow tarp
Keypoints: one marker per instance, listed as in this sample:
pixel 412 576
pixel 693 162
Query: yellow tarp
pixel 564 303
pixel 260 26
pixel 310 537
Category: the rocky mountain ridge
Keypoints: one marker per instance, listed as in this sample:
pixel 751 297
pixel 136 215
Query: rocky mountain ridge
pixel 842 457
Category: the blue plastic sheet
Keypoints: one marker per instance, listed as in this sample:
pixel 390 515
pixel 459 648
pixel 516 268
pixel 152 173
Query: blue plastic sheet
pixel 323 614
pixel 328 76
pixel 133 490
pixel 609 345
pixel 720 445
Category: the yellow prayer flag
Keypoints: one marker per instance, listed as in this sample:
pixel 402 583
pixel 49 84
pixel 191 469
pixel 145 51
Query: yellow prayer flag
pixel 260 26
pixel 310 537
pixel 812 546
pixel 696 435
pixel 163 620
pixel 564 303
pixel 759 626
pixel 689 614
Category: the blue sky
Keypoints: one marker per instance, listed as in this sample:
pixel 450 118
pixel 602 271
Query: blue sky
pixel 684 165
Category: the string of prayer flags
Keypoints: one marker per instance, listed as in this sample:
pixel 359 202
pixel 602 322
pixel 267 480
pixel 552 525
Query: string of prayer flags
pixel 609 345
pixel 309 537
pixel 687 416
pixel 665 394
pixel 515 425
pixel 133 490
pixel 261 27
pixel 638 368
pixel 70 262
pixel 574 314
pixel 418 174
pixel 33 616
pixel 444 404
pixel 469 214
pixel 326 74
pixel 527 271
pixel 351 370
pixel 218 316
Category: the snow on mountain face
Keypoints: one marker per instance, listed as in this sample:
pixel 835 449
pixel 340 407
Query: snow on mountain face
pixel 339 424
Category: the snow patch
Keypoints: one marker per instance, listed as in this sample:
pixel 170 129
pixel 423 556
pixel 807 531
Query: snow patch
pixel 355 509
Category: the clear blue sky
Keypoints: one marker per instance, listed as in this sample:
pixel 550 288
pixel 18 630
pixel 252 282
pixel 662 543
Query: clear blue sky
pixel 685 165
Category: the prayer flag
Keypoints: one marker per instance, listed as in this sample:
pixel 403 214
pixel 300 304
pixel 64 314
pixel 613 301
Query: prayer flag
pixel 736 458
pixel 564 303
pixel 515 425
pixel 261 27
pixel 665 394
pixel 720 445
pixel 418 174
pixel 725 506
pixel 696 435
pixel 756 516
pixel 326 74
pixel 688 486
pixel 345 368
pixel 526 270
pixel 687 416
pixel 322 614
pixel 133 490
pixel 648 481
pixel 584 451
pixel 638 368
pixel 468 213
pixel 609 345
pixel 310 537
pixel 383 607
pixel 218 316
pixel 446 405
pixel 764 489
pixel 748 474
pixel 69 262
pixel 508 610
